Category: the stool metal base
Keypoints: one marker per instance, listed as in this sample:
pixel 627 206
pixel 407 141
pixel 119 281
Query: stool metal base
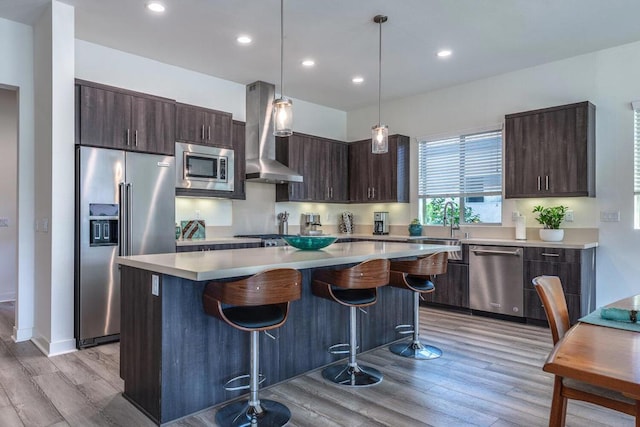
pixel 353 376
pixel 240 414
pixel 415 350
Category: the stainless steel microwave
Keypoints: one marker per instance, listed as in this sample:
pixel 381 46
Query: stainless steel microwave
pixel 204 167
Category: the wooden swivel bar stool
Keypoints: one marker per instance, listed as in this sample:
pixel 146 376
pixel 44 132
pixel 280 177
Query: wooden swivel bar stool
pixel 416 276
pixel 355 287
pixel 257 303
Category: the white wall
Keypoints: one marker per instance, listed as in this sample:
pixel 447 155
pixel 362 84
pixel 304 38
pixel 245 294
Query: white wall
pixel 54 177
pixel 16 71
pixel 9 193
pixel 609 79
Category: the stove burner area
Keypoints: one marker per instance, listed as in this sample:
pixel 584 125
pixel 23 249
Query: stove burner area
pixel 268 240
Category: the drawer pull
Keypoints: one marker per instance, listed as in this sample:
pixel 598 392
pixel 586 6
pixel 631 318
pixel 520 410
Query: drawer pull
pixel 551 255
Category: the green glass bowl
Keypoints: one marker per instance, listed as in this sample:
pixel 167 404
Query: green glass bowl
pixel 309 243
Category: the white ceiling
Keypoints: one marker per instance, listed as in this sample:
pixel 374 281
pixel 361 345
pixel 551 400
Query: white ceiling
pixel 488 37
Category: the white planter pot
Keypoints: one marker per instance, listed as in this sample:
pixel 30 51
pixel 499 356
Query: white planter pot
pixel 551 235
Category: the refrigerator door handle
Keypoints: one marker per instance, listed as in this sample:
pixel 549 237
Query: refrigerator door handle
pixel 129 199
pixel 122 219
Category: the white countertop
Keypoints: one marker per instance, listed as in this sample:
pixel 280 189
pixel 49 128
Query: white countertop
pixel 221 264
pixel 532 243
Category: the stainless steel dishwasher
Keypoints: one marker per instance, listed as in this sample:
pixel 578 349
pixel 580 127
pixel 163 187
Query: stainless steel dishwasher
pixel 496 279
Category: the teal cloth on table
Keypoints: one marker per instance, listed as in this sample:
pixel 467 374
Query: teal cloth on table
pixel 595 318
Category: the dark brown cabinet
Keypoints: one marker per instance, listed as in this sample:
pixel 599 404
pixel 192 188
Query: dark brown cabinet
pixel 550 152
pixel 323 164
pixel 217 247
pixel 452 288
pixel 576 270
pixel 203 126
pixel 379 177
pixel 113 118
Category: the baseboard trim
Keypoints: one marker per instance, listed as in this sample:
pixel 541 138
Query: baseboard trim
pixel 54 348
pixel 20 335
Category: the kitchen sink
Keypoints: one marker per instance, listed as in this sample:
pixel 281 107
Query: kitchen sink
pixel 455 255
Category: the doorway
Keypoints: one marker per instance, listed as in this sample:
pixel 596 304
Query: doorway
pixel 9 202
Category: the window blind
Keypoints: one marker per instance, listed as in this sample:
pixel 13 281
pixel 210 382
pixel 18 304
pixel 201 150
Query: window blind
pixel 467 166
pixel 636 148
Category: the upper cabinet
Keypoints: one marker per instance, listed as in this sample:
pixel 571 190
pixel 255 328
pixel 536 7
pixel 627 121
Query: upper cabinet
pixel 379 177
pixel 551 152
pixel 114 118
pixel 323 165
pixel 203 126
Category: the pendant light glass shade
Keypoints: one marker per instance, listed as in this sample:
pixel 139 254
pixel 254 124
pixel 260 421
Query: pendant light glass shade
pixel 379 139
pixel 282 107
pixel 282 117
pixel 380 132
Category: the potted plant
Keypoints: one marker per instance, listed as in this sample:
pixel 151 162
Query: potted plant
pixel 415 228
pixel 551 218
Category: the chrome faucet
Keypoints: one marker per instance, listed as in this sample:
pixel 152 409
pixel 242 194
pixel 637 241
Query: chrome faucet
pixel 452 223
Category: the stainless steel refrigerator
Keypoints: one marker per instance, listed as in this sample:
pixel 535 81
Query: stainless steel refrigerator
pixel 125 205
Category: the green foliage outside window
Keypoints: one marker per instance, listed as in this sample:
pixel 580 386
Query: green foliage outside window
pixel 433 212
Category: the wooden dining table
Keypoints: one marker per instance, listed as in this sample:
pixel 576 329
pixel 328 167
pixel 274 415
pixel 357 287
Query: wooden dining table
pixel 599 355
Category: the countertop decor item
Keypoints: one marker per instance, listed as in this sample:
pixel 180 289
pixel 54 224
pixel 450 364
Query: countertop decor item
pixel 551 218
pixel 310 242
pixel 415 228
pixel 193 229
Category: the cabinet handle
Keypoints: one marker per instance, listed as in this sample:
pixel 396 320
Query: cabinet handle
pixel 127 136
pixel 135 138
pixel 331 192
pixel 202 132
pixel 209 134
pixel 546 182
pixel 539 183
pixel 551 255
pixel 368 192
pixel 373 192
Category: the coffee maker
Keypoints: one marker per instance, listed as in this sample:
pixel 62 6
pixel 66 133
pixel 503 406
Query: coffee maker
pixel 309 223
pixel 380 223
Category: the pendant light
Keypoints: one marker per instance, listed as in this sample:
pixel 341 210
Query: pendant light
pixel 380 132
pixel 282 107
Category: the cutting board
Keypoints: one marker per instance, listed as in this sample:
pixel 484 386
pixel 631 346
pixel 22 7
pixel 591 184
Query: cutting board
pixel 193 229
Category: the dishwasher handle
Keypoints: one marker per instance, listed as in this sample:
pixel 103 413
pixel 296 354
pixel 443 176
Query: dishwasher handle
pixel 517 252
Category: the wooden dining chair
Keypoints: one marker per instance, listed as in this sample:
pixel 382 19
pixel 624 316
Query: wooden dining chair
pixel 549 289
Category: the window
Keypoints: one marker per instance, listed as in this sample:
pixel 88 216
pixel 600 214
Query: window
pixel 466 170
pixel 636 164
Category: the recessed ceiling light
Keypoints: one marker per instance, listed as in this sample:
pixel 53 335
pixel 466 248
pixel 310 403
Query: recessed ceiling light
pixel 357 80
pixel 155 6
pixel 444 53
pixel 308 62
pixel 244 39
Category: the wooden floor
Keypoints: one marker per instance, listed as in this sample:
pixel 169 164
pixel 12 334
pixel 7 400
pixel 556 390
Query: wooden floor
pixel 490 375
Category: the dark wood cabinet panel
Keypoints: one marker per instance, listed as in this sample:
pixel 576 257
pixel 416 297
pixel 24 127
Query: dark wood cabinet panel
pixel 217 247
pixel 153 124
pixel 203 126
pixel 576 270
pixel 105 118
pixel 114 118
pixel 452 288
pixel 323 164
pixel 551 152
pixel 379 177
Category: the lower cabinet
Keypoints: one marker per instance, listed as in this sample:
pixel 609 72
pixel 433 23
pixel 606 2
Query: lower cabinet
pixel 216 247
pixel 452 288
pixel 576 270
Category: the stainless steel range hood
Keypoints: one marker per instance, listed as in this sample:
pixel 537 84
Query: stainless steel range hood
pixel 260 142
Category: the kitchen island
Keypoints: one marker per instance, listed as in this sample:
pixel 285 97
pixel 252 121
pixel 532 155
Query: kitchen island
pixel 174 359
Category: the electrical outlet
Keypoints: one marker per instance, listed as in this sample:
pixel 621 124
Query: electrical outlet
pixel 197 213
pixel 4 222
pixel 45 225
pixel 609 216
pixel 514 215
pixel 155 285
pixel 568 215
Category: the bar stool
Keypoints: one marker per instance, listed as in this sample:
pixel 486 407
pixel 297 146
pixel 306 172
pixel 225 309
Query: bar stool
pixel 257 303
pixel 416 276
pixel 355 287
